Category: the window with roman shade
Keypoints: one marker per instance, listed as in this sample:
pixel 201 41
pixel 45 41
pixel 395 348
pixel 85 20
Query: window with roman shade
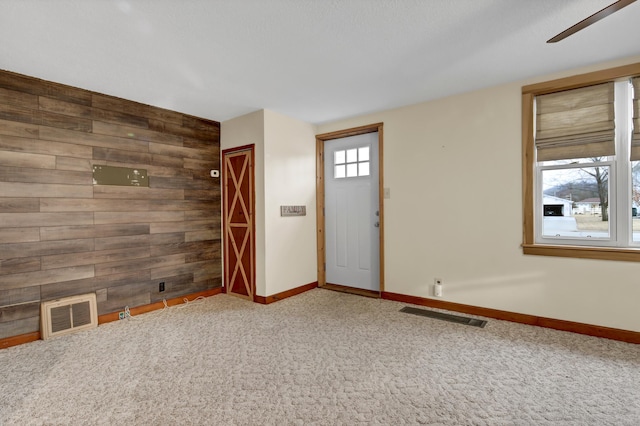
pixel 576 123
pixel 581 151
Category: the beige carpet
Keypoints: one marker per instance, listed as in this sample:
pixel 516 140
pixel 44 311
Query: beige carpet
pixel 320 358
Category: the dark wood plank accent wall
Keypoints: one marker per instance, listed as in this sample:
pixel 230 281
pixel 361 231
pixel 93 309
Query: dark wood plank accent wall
pixel 61 235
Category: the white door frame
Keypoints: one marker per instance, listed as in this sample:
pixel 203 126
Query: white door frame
pixel 320 201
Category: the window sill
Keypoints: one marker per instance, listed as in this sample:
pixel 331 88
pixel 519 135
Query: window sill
pixel 582 252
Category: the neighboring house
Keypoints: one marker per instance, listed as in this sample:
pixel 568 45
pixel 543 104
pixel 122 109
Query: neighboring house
pixel 556 206
pixel 558 216
pixel 588 206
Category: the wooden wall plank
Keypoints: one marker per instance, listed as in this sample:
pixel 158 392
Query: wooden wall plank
pixel 178 151
pixel 20 311
pixel 172 271
pixel 121 156
pixel 201 215
pixel 93 257
pixel 201 225
pixel 92 139
pixel 211 127
pixel 31 175
pixel 22 83
pixel 21 326
pixel 93 205
pixel 19 99
pixel 122 229
pixel 18 265
pixel 167 161
pixel 201 194
pixel 130 241
pixel 43 118
pixel 208 271
pixel 17 189
pixel 72 163
pixel 53 219
pixel 21 159
pixel 169 205
pixel 213 234
pixel 116 104
pixel 29 279
pixel 35 146
pixel 211 252
pixel 56 233
pixel 183 130
pixel 137 217
pixel 166 227
pixel 19 205
pixel 19 295
pixel 190 163
pixel 24 130
pixel 136 193
pixel 130 295
pixel 19 235
pixel 167 239
pixel 130 265
pixel 133 133
pixel 170 182
pixel 43 248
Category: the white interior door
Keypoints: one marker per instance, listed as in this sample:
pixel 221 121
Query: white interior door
pixel 352 232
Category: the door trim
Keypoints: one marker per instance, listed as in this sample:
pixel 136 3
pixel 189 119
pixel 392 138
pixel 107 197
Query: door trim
pixel 252 208
pixel 320 201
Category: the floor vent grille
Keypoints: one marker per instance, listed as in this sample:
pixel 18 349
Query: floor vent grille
pixel 62 316
pixel 445 317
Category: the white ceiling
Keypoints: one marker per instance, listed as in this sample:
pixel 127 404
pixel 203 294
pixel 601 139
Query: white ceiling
pixel 315 60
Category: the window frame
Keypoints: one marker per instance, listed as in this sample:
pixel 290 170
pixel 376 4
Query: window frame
pixel 529 244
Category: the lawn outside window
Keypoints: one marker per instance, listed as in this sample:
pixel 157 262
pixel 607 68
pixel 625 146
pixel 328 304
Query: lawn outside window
pixel 581 166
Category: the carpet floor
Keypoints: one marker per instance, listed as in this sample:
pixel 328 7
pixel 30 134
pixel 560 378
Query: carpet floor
pixel 319 358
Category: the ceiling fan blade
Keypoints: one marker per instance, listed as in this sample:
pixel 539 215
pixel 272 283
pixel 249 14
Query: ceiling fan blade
pixel 591 20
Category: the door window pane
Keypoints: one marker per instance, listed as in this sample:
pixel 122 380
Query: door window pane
pixel 352 155
pixel 363 153
pixel 340 171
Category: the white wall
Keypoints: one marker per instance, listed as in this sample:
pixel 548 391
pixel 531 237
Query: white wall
pixel 290 179
pixel 284 175
pixel 441 157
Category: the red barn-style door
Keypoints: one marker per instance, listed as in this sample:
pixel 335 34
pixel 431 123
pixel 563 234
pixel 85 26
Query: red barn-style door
pixel 239 224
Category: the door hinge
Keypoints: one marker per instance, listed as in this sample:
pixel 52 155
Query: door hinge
pixel 325 267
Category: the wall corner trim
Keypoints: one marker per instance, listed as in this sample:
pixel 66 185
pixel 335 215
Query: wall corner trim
pixel 265 300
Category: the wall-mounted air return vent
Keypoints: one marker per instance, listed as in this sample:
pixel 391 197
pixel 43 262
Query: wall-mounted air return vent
pixel 67 315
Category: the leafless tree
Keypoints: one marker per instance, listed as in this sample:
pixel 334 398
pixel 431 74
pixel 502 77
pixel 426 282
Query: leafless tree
pixel 601 176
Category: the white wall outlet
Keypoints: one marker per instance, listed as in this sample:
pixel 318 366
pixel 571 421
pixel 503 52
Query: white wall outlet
pixel 437 287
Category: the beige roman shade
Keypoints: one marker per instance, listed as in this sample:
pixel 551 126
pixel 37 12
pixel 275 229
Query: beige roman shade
pixel 576 123
pixel 635 141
